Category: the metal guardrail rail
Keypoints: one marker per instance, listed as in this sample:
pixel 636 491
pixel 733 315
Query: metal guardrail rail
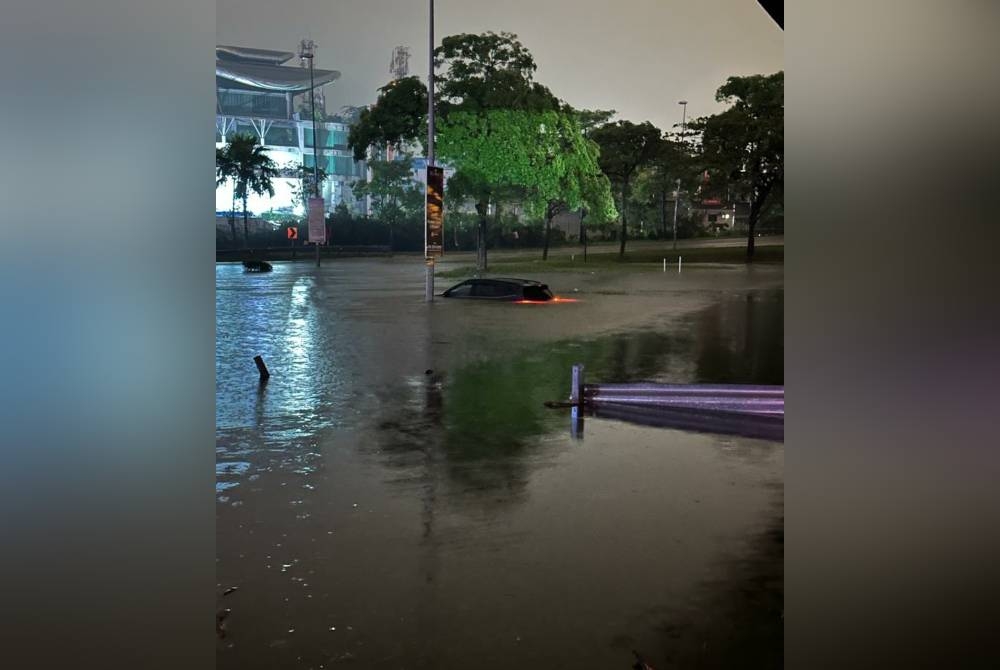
pixel 735 409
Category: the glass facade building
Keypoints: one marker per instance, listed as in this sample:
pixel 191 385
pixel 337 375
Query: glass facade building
pixel 258 94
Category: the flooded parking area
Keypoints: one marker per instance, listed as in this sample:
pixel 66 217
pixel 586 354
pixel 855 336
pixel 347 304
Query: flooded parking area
pixel 398 496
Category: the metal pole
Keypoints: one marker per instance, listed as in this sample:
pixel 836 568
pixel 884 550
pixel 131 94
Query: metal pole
pixel 576 385
pixel 429 264
pixel 677 196
pixel 312 106
pixel 677 193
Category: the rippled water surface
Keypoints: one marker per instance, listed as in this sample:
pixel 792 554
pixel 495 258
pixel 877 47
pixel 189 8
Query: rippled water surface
pixel 398 496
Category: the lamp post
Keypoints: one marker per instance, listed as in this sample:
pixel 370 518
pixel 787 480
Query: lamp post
pixel 684 104
pixel 307 51
pixel 677 193
pixel 428 259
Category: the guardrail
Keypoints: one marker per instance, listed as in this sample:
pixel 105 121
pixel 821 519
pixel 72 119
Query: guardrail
pixel 749 410
pixel 303 252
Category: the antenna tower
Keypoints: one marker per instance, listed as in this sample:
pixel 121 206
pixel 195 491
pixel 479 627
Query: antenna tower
pixel 399 66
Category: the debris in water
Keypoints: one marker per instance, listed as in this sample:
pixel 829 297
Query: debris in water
pixel 229 590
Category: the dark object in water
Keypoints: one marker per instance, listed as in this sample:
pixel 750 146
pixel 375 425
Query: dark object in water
pixel 257 266
pixel 220 622
pixel 640 662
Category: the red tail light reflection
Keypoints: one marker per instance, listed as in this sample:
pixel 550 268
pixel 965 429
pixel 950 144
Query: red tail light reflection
pixel 545 302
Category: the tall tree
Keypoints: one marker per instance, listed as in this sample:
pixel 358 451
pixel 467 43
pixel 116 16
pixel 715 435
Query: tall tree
pixel 656 183
pixel 590 119
pixel 488 71
pixel 224 172
pixel 486 80
pixel 250 169
pixel 625 147
pixel 397 117
pixel 743 148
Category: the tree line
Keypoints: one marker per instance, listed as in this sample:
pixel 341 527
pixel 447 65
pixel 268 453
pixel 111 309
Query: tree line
pixel 514 146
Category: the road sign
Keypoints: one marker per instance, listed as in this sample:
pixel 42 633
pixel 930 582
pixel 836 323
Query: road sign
pixel 435 211
pixel 293 233
pixel 317 222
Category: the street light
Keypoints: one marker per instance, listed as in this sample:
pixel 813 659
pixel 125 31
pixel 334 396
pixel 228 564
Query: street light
pixel 428 258
pixel 307 51
pixel 684 103
pixel 677 193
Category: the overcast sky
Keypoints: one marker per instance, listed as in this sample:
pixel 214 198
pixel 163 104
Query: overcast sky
pixel 636 56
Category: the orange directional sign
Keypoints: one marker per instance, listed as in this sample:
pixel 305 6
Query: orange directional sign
pixel 293 233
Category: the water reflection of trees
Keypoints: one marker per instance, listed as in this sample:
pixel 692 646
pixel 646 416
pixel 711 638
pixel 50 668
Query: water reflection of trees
pixel 740 339
pixel 476 433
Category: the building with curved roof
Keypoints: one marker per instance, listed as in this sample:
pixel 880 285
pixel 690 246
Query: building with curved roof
pixel 258 93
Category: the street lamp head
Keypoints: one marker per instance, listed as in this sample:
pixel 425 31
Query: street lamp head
pixel 682 102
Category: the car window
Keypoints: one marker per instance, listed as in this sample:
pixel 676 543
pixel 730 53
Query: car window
pixel 494 289
pixel 463 290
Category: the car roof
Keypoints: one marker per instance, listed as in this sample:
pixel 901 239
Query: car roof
pixel 511 280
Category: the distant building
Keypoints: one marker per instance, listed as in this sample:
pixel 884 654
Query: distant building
pixel 257 94
pixel 719 216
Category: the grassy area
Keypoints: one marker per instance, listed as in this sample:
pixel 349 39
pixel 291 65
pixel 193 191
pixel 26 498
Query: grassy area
pixel 608 260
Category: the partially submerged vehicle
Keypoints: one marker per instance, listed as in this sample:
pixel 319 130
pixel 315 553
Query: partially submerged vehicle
pixel 501 289
pixel 257 266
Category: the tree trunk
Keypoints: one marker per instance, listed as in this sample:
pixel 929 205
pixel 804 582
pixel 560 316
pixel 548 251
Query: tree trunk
pixel 583 237
pixel 663 211
pixel 482 209
pixel 246 226
pixel 548 230
pixel 232 219
pixel 751 226
pixel 621 249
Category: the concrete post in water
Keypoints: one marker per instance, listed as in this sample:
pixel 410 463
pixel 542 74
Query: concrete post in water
pixel 576 422
pixel 576 391
pixel 678 265
pixel 261 368
pixel 664 264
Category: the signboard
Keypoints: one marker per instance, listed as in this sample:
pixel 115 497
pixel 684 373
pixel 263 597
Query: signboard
pixel 293 233
pixel 317 222
pixel 434 231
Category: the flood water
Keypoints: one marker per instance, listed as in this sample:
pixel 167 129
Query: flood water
pixel 398 496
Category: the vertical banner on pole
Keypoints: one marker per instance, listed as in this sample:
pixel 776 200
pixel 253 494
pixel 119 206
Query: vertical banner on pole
pixel 435 211
pixel 317 222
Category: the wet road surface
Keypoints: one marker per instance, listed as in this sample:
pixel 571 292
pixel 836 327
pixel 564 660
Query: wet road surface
pixel 370 514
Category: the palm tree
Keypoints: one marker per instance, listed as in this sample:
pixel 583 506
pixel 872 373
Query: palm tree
pixel 223 173
pixel 243 160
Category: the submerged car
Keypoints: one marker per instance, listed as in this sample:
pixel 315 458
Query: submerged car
pixel 513 290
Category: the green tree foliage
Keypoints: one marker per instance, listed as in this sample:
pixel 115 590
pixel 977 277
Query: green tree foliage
pixel 656 182
pixel 743 148
pixel 395 196
pixel 488 71
pixel 398 116
pixel 508 137
pixel 223 173
pixel 542 156
pixel 625 148
pixel 244 162
pixel 590 119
